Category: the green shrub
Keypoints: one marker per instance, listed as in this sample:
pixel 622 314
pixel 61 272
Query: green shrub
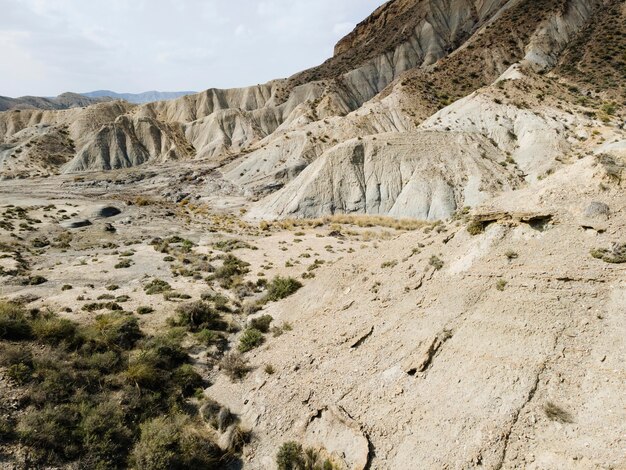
pixel 144 310
pixel 209 337
pixel 13 323
pixel 36 280
pixel 187 379
pixel 171 295
pixel 20 373
pixel 250 339
pixel 7 428
pixel 175 443
pixel 105 436
pixel 290 456
pixel 196 316
pixel 54 330
pixel 51 429
pixel 231 268
pixel 281 287
pixel 262 323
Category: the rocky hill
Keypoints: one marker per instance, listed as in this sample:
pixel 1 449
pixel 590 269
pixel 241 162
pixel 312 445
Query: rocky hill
pixel 64 101
pixel 410 256
pixel 518 82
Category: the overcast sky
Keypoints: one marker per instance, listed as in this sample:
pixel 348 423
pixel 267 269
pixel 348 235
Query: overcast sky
pixel 51 46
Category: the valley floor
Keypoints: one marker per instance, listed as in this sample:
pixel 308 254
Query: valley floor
pixel 414 345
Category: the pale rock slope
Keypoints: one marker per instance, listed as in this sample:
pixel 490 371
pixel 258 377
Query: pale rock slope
pixel 394 364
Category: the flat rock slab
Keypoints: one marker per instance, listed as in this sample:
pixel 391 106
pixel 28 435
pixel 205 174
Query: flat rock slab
pixel 104 212
pixel 76 223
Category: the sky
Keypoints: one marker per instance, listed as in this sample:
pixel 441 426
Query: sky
pixel 48 47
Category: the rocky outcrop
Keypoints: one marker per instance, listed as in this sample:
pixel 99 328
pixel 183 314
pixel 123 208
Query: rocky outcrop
pixel 425 175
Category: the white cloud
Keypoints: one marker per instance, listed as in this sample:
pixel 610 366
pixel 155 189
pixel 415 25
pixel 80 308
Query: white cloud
pixel 51 46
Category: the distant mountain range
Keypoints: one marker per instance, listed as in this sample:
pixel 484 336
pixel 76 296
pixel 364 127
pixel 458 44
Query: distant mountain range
pixel 139 98
pixel 78 100
pixel 64 101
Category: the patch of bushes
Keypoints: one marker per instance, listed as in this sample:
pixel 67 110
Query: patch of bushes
pixel 292 456
pixel 95 306
pixel 175 442
pixel 197 316
pixel 123 264
pixel 282 287
pixel 232 244
pixel 156 286
pixel 231 269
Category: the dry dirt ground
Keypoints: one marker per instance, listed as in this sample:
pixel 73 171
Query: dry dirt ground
pixel 422 348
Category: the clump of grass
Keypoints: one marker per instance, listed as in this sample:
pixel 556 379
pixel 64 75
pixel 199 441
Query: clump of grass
pixel 112 287
pixel 556 413
pixel 66 287
pixel 511 255
pixel 171 295
pixel 269 369
pixel 175 442
pixel 95 306
pixel 232 269
pixel 36 280
pixel 250 339
pixel 501 285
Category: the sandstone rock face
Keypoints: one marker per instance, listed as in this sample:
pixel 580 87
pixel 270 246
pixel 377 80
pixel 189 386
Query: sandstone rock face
pixel 424 175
